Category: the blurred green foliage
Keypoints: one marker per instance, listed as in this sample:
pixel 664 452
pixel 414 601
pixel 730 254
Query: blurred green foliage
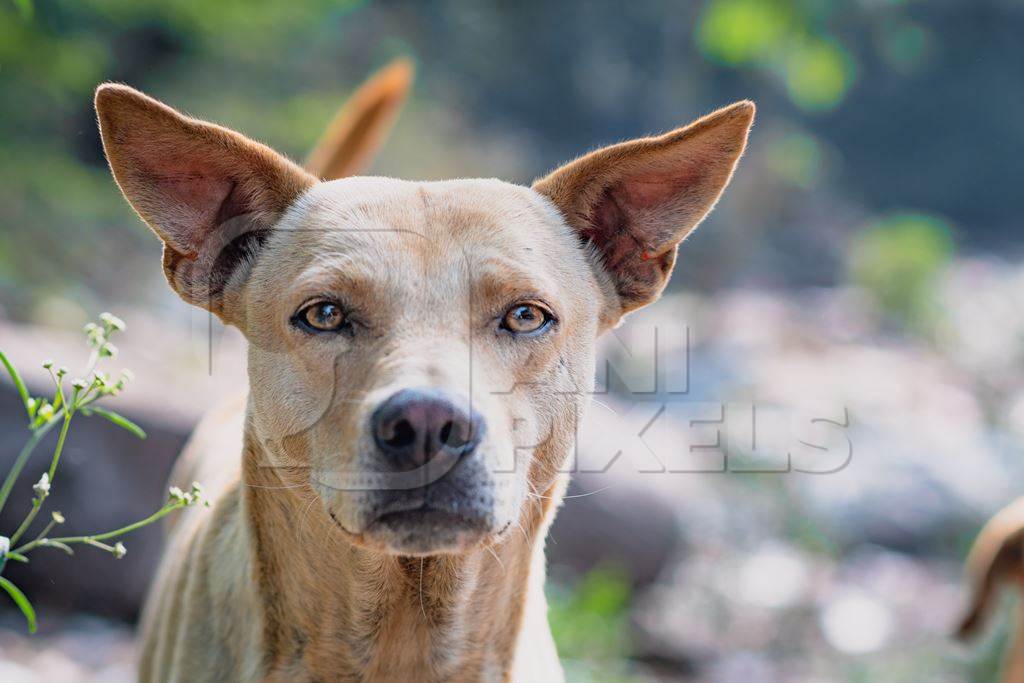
pixel 795 157
pixel 899 260
pixel 590 623
pixel 789 39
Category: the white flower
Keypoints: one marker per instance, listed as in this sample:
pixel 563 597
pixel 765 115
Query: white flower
pixel 112 321
pixel 42 487
pixel 119 550
pixel 5 545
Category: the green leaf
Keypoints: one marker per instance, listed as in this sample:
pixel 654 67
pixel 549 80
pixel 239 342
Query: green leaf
pixel 119 420
pixel 16 378
pixel 18 557
pixel 21 601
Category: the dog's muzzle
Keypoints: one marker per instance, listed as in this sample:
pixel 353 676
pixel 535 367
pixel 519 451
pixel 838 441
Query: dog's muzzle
pixel 433 437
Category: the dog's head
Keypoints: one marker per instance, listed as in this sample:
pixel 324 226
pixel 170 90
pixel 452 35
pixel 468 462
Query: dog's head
pixel 420 352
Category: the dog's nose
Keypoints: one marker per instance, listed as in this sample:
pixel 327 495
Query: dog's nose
pixel 413 426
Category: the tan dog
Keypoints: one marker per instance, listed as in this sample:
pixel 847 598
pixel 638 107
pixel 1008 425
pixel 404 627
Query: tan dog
pixel 419 357
pixel 997 559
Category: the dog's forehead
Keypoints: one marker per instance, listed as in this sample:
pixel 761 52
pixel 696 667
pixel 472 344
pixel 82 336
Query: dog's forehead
pixel 466 216
pixel 407 241
pixel 382 224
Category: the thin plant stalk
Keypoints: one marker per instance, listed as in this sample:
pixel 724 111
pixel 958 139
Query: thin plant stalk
pixel 67 540
pixel 19 463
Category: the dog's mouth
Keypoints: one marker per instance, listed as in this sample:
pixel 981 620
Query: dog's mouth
pixel 429 519
pixel 427 530
pixel 422 527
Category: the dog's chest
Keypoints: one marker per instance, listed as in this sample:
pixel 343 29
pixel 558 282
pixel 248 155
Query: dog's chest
pixel 407 641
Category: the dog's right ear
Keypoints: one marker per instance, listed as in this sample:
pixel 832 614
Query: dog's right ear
pixel 209 193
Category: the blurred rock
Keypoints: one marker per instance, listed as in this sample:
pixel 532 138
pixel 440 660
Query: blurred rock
pixel 619 527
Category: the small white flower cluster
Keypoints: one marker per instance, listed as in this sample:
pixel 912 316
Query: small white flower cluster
pixel 86 390
pixel 98 336
pixel 106 386
pixel 195 496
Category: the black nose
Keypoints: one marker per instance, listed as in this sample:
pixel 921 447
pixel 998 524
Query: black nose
pixel 414 426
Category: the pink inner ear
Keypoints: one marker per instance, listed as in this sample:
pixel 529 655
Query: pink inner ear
pixel 190 208
pixel 655 188
pixel 638 215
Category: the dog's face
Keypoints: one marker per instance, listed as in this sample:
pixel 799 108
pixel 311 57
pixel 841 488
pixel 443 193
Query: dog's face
pixel 420 353
pixel 431 341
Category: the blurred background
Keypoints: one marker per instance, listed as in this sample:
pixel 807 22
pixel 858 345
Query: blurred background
pixel 867 259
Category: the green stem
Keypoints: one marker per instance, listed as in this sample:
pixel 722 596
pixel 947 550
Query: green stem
pixel 96 544
pixel 19 463
pixel 38 501
pixel 25 523
pixel 60 440
pixel 162 512
pixel 46 529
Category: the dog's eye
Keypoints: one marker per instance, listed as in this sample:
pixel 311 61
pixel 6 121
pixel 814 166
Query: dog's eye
pixel 527 318
pixel 321 316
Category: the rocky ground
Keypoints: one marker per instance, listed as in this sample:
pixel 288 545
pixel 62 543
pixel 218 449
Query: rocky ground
pixel 75 649
pixel 789 490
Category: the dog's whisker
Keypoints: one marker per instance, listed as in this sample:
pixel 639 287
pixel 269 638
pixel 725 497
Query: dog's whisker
pixel 496 558
pixel 577 495
pixel 604 405
pixel 305 514
pixel 526 537
pixel 274 488
pixel 422 608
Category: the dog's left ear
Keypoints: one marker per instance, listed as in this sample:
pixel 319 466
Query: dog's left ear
pixel 636 201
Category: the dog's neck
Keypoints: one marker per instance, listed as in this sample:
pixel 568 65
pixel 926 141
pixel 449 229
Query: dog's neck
pixel 331 609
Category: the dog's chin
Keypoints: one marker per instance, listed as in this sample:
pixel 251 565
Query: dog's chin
pixel 427 532
pixel 422 532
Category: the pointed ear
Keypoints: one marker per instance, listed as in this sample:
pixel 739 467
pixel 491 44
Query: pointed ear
pixel 210 194
pixel 636 201
pixel 362 125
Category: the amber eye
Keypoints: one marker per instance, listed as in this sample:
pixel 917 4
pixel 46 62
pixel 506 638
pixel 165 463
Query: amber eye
pixel 526 318
pixel 321 316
